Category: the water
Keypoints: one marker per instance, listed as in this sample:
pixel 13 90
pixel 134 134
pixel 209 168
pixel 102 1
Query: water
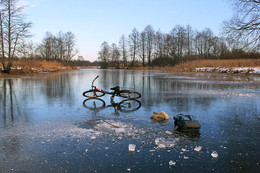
pixel 46 125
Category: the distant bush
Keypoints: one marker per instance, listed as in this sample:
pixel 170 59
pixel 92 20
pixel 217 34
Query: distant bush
pixel 163 61
pixel 85 63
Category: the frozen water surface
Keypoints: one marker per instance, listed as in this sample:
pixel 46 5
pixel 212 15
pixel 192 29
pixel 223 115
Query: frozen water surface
pixel 47 126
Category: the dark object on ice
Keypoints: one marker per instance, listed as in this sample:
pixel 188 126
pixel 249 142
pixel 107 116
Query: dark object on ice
pixel 186 123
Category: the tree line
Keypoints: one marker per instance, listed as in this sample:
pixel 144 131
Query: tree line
pixel 150 47
pixel 240 39
pixel 60 47
pixel 14 33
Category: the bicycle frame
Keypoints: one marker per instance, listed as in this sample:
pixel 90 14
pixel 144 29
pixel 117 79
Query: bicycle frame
pixel 103 91
pixel 96 92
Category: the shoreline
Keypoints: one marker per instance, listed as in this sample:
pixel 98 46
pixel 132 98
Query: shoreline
pixel 217 70
pixel 229 66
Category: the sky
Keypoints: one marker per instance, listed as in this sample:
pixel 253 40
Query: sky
pixel 96 21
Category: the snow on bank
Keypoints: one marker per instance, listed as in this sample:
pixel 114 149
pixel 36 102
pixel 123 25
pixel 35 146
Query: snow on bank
pixel 244 70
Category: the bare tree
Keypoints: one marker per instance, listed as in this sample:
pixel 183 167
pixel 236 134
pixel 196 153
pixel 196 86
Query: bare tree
pixel 104 54
pixel 47 47
pixel 26 50
pixel 189 35
pixel 133 44
pixel 70 47
pixel 115 55
pixel 13 30
pixel 142 47
pixel 168 46
pixel 123 48
pixel 60 48
pixel 245 24
pixel 208 39
pixel 150 39
pixel 181 36
pixel 199 43
pixel 158 44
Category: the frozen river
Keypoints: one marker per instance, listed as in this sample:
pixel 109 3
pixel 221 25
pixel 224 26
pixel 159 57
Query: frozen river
pixel 45 127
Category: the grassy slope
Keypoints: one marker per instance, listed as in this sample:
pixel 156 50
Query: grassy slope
pixel 26 66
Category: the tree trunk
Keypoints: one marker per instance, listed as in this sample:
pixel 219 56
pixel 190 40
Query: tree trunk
pixel 3 60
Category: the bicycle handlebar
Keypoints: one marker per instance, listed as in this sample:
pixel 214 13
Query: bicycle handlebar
pixel 94 81
pixel 96 77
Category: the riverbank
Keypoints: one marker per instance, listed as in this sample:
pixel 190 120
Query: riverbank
pixel 29 66
pixel 243 66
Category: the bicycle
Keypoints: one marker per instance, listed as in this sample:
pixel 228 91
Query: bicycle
pixel 96 92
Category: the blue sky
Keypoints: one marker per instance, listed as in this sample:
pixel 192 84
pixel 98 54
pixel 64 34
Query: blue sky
pixel 96 21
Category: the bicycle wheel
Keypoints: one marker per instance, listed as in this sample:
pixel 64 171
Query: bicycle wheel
pixel 129 94
pixel 93 93
pixel 129 105
pixel 94 103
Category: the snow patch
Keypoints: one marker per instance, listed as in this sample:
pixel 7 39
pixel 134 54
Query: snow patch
pixel 243 70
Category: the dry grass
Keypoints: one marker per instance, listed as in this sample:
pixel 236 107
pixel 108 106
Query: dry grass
pixel 25 66
pixel 231 63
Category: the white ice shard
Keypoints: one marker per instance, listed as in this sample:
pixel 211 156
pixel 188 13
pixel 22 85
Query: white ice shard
pixel 131 147
pixel 185 158
pixel 168 132
pixel 214 154
pixel 184 150
pixel 172 163
pixel 198 148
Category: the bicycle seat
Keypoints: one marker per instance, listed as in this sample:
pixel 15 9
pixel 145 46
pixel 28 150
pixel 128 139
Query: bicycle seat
pixel 117 88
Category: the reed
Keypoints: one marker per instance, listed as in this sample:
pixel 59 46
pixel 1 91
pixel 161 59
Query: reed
pixel 229 63
pixel 23 66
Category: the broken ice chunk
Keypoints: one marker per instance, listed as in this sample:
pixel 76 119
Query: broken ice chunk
pixel 198 148
pixel 214 154
pixel 186 158
pixel 131 147
pixel 164 143
pixel 156 141
pixel 93 138
pixel 168 132
pixel 172 163
pixel 171 145
pixel 184 150
pixel 162 146
pixel 120 130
